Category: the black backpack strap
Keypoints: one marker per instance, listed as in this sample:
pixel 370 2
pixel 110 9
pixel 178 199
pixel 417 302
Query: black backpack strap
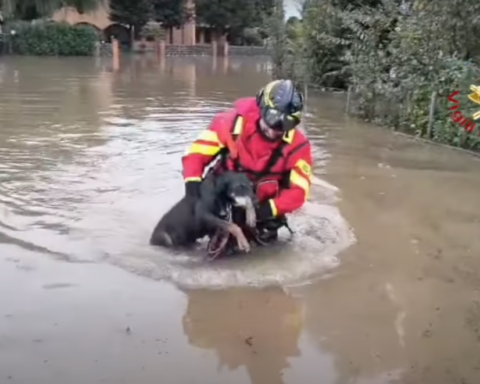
pixel 275 156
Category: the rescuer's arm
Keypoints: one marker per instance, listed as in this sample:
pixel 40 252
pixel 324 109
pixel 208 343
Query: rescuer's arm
pixel 203 150
pixel 292 198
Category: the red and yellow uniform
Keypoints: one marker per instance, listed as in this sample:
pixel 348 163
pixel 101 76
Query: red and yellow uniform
pixel 281 170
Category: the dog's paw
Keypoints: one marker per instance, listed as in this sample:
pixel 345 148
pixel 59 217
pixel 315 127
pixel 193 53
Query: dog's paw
pixel 243 246
pixel 242 242
pixel 251 217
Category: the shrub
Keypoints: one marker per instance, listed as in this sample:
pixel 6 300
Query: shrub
pixel 47 38
pixel 251 36
pixel 152 31
pixel 393 56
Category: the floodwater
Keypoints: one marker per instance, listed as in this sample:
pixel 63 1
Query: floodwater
pixel 380 283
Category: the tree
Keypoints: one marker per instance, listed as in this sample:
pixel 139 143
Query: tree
pixel 263 10
pixel 133 14
pixel 384 52
pixel 34 9
pixel 170 13
pixel 292 27
pixel 278 37
pixel 231 15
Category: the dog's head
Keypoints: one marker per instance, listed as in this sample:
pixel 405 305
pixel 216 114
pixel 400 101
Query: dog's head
pixel 238 188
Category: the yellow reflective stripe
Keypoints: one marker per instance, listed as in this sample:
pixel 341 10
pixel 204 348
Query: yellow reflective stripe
pixel 193 179
pixel 208 135
pixel 273 207
pixel 305 168
pixel 266 93
pixel 288 136
pixel 210 149
pixel 203 149
pixel 300 181
pixel 238 126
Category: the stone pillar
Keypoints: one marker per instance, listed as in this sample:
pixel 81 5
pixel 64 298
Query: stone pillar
pixel 222 45
pixel 201 37
pixel 162 53
pixel 225 49
pixel 161 50
pixel 226 64
pixel 162 65
pixel 214 48
pixel 115 54
pixel 177 35
pixel 189 28
pixel 214 64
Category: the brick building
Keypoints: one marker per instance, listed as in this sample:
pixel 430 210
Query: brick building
pixel 188 34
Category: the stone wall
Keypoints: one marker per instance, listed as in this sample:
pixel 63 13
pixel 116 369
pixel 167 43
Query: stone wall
pixel 188 50
pixel 243 50
pixel 199 49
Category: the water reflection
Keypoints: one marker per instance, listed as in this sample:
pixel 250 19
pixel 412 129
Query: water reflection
pixel 257 330
pixel 58 99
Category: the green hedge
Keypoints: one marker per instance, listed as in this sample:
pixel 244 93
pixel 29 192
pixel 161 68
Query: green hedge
pixel 52 39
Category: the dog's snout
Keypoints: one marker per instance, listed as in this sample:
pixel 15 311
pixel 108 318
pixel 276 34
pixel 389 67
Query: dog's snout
pixel 242 201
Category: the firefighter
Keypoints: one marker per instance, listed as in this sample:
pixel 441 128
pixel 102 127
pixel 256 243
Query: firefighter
pixel 258 137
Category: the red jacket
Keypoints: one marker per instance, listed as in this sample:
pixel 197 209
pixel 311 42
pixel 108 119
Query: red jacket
pixel 286 184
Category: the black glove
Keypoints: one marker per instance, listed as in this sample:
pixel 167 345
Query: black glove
pixel 264 211
pixel 192 189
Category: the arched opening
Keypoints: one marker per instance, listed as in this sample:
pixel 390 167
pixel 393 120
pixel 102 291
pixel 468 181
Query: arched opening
pixel 120 32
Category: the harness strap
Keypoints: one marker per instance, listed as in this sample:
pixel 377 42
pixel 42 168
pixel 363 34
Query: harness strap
pixel 277 154
pixel 274 157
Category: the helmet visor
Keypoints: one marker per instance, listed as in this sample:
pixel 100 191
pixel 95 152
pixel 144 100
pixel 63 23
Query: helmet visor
pixel 280 121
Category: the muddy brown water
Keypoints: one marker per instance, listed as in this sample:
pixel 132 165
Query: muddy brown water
pixel 380 284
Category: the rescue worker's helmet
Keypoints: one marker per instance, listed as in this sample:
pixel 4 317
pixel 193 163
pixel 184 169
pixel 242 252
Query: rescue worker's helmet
pixel 280 104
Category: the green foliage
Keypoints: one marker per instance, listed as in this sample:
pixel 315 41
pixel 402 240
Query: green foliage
pixel 152 31
pixel 170 13
pixel 394 54
pixel 252 36
pixel 52 39
pixel 263 9
pixel 293 28
pixel 134 14
pixel 232 15
pixel 278 39
pixel 35 9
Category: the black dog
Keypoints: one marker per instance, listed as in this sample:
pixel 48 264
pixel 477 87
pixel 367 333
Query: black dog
pixel 191 219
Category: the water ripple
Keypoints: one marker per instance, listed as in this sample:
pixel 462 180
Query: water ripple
pixel 86 170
